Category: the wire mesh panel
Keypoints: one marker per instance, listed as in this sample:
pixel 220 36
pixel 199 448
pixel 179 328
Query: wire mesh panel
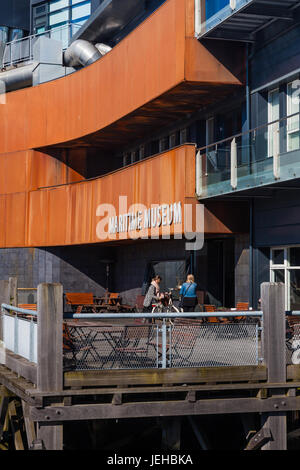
pixel 111 347
pixel 214 345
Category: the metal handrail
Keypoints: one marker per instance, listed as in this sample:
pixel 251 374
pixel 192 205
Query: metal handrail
pixel 227 313
pixel 12 308
pixel 30 39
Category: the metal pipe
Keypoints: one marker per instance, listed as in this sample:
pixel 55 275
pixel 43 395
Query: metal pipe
pixel 103 48
pixel 81 53
pixel 20 77
pixel 11 308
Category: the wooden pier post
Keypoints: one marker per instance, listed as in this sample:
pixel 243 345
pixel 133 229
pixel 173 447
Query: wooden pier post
pixel 50 355
pixel 274 351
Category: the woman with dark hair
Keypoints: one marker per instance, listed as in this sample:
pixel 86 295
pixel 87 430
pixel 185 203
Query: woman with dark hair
pixel 153 294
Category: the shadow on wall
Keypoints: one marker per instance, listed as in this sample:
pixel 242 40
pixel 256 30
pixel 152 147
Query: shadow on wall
pixel 82 268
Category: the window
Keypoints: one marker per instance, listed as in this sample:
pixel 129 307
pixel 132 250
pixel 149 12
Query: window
pixel 285 267
pixel 273 115
pixel 56 13
pixel 81 11
pixel 293 124
pixel 58 4
pixel 4 34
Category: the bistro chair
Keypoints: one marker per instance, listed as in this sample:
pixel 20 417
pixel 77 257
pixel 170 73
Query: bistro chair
pixel 79 347
pixel 211 308
pixel 242 307
pixel 134 346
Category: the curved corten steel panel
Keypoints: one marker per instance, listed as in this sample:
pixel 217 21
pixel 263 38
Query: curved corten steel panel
pixel 69 214
pixel 155 58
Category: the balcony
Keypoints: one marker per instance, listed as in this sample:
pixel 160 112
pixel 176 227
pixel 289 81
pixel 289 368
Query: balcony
pixel 262 158
pixel 240 20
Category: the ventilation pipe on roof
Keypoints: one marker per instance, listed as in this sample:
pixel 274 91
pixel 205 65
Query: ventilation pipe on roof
pixel 81 53
pixel 103 48
pixel 21 77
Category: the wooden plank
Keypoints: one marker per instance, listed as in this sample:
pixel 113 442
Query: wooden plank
pixel 29 425
pixel 18 364
pixel 17 385
pixel 14 422
pixel 3 412
pixel 164 376
pixel 293 372
pixel 35 394
pixel 141 409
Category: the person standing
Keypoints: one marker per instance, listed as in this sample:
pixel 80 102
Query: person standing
pixel 188 294
pixel 153 294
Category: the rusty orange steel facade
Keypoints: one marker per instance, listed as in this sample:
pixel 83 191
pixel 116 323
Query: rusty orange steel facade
pixel 67 214
pixel 159 56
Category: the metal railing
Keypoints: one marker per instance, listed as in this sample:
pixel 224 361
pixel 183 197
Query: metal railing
pixel 173 341
pixel 248 159
pixel 21 50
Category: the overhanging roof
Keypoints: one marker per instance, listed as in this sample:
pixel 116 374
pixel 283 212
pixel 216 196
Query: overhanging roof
pixel 247 19
pixel 110 18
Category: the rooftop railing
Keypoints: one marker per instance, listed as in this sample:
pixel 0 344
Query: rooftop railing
pixel 260 157
pixel 21 50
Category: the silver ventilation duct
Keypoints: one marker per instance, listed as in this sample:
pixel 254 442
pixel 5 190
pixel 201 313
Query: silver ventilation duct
pixel 103 48
pixel 81 53
pixel 20 77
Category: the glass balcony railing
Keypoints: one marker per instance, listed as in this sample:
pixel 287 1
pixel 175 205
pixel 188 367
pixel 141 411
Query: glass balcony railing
pixel 217 11
pixel 21 50
pixel 260 157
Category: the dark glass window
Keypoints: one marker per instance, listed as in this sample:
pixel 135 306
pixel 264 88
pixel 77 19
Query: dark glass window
pixel 295 256
pixel 278 257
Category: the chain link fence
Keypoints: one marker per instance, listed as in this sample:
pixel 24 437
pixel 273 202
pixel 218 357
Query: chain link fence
pixel 167 344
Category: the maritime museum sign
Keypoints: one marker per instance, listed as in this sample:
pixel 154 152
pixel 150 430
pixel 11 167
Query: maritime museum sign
pixel 149 218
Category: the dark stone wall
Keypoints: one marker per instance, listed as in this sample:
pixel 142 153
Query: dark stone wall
pixel 83 268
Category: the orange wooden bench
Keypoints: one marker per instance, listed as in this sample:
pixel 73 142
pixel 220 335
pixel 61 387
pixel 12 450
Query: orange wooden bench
pixel 80 301
pixel 28 306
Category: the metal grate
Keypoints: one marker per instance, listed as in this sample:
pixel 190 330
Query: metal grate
pixel 111 347
pixel 161 346
pixel 214 345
